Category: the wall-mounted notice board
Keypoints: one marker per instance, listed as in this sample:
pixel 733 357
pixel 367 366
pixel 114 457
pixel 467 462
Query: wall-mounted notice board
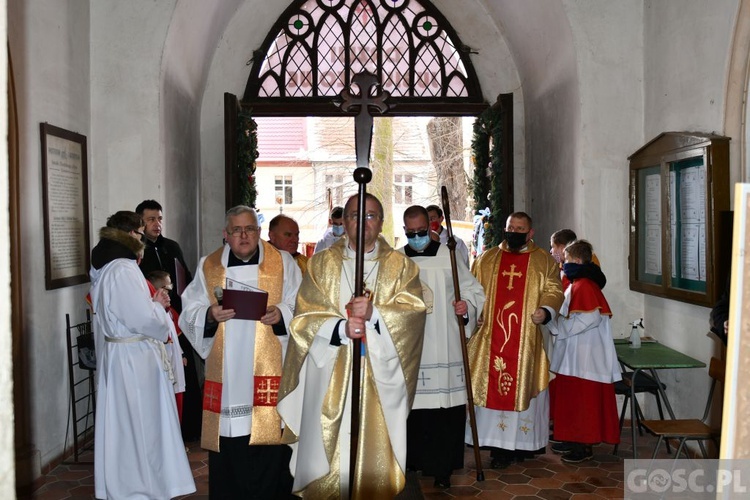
pixel 679 191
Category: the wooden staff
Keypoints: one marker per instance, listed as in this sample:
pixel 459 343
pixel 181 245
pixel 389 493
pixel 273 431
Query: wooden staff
pixel 457 289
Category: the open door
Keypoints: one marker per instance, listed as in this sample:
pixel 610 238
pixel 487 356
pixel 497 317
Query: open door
pixel 231 120
pixel 24 448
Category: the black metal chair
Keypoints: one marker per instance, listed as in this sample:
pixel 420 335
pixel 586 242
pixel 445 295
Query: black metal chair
pixel 643 383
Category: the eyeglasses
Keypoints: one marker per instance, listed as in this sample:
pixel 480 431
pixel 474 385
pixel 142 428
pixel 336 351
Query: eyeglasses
pixel 421 234
pixel 370 216
pixel 238 231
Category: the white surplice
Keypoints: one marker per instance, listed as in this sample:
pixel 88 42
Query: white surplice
pixel 583 345
pixel 462 251
pixel 526 430
pixel 239 337
pixel 442 382
pixel 138 448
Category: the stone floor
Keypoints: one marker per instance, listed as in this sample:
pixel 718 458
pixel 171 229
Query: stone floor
pixel 545 477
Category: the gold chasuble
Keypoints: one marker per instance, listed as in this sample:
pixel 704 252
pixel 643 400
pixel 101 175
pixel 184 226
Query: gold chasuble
pixel 397 295
pixel 266 423
pixel 506 354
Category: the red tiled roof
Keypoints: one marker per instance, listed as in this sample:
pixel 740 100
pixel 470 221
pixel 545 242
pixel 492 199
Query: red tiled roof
pixel 282 139
pixel 333 139
pixel 285 139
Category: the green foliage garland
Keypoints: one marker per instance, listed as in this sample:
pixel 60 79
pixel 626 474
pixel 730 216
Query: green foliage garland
pixel 247 153
pixel 480 145
pixel 488 167
pixel 496 190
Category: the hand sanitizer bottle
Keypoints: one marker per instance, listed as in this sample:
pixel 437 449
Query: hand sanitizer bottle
pixel 635 337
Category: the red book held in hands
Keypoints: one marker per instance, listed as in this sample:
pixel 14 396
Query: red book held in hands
pixel 248 302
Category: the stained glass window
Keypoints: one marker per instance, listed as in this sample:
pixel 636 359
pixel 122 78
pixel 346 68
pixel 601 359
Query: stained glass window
pixel 317 46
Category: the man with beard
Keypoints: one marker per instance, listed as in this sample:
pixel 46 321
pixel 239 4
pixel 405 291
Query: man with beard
pixel 509 366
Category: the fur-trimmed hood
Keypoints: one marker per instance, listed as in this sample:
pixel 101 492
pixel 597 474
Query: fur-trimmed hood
pixel 114 244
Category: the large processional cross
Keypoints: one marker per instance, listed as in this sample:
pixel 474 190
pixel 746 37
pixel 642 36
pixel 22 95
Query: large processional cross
pixel 370 96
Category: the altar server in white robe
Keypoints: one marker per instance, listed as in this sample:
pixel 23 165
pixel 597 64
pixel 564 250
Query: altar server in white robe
pixel 241 428
pixel 435 428
pixel 138 449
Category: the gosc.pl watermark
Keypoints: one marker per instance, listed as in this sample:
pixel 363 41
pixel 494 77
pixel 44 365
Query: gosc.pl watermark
pixel 704 479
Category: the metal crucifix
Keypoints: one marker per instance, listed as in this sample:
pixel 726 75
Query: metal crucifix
pixel 368 97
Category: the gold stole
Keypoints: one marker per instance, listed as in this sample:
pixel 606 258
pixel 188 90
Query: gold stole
pixel 266 423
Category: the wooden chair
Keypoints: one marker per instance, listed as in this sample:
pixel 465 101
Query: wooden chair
pixel 644 383
pixel 690 429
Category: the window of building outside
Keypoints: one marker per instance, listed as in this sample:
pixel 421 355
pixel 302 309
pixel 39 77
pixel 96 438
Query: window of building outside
pixel 335 183
pixel 402 189
pixel 283 188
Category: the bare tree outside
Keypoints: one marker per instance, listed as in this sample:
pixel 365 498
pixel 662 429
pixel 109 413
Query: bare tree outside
pixel 303 159
pixel 382 170
pixel 446 148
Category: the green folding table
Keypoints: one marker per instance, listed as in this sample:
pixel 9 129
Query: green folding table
pixel 651 356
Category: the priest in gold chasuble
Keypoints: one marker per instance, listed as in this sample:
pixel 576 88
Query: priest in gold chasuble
pixel 509 367
pixel 315 397
pixel 244 358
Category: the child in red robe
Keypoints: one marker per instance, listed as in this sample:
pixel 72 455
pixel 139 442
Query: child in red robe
pixel 584 361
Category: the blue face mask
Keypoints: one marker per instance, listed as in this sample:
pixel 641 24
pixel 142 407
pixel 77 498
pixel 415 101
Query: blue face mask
pixel 337 230
pixel 419 243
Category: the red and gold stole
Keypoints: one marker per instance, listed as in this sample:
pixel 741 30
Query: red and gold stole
pixel 266 423
pixel 507 327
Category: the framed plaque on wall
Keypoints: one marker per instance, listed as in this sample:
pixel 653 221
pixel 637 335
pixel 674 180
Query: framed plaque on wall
pixel 66 207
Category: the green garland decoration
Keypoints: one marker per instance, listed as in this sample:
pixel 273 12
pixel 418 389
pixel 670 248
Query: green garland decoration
pixel 480 145
pixel 496 194
pixel 247 153
pixel 488 165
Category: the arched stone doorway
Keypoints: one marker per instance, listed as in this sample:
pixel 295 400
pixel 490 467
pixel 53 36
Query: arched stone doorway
pixel 316 46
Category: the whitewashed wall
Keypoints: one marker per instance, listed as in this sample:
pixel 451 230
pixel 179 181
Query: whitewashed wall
pixel 49 43
pixel 608 45
pixel 686 47
pixel 228 72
